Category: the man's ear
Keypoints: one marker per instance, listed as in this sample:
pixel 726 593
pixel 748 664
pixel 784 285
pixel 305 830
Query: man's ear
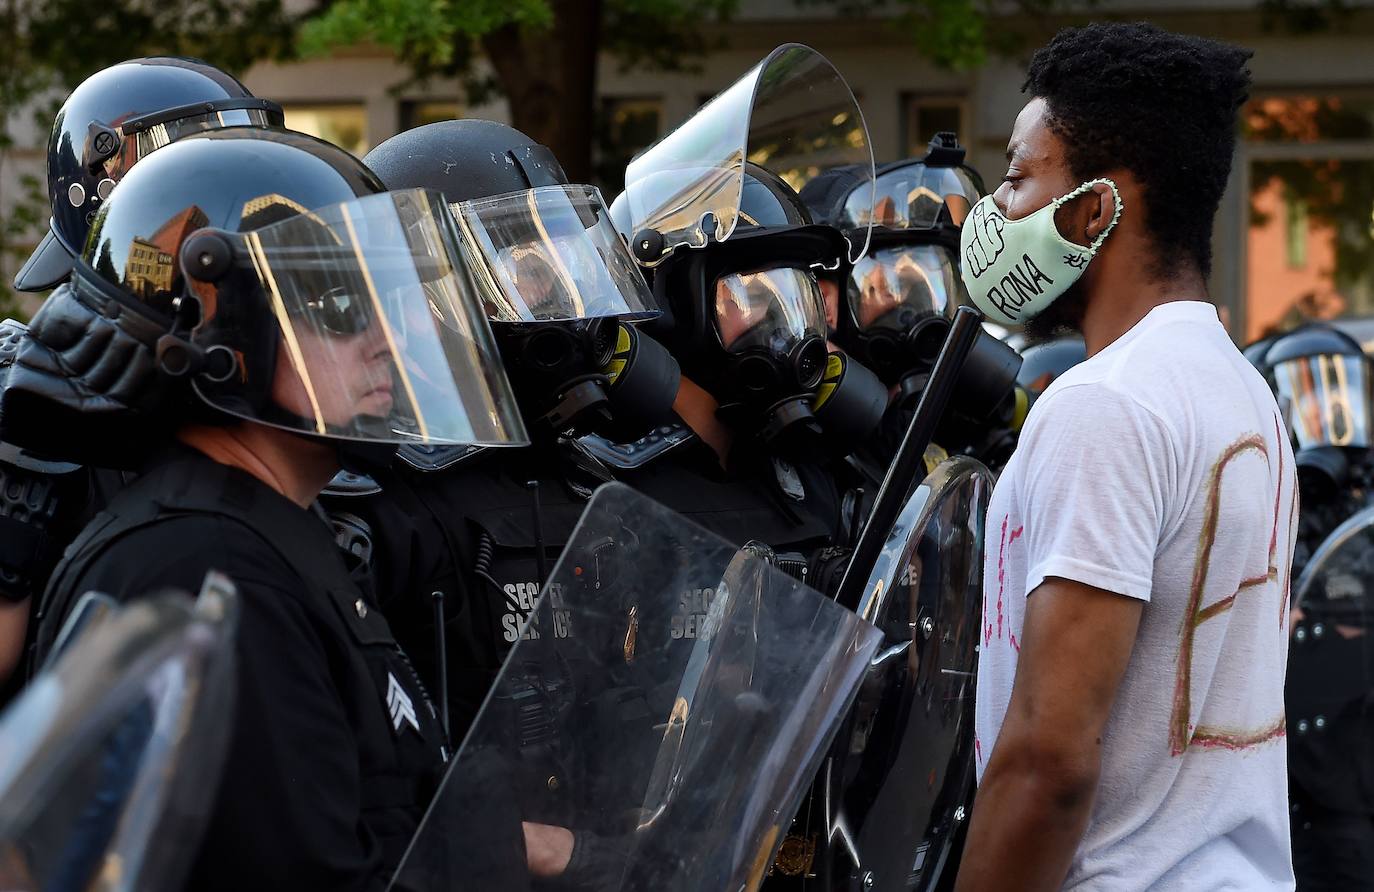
pixel 1078 218
pixel 1102 211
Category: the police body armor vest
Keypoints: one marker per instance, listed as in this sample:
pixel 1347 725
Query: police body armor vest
pixel 398 771
pixel 467 529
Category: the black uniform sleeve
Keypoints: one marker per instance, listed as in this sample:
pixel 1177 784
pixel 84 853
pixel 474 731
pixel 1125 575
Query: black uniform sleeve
pixel 287 812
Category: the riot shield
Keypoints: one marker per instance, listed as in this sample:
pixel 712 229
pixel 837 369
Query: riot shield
pixel 669 700
pixel 1329 691
pixel 898 780
pixel 110 758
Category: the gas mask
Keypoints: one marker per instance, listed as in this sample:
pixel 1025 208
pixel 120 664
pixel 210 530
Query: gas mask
pixel 777 377
pixel 561 293
pixel 899 299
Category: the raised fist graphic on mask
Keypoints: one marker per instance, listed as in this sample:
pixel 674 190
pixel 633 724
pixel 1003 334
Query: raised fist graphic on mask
pixel 986 246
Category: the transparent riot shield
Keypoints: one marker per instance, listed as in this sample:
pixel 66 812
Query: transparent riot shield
pixel 1329 691
pixel 668 701
pixel 793 114
pixel 897 783
pixel 110 758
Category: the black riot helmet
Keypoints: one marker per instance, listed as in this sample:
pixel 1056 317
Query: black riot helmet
pixel 562 290
pixel 1323 382
pixel 115 118
pixel 895 304
pixel 1325 378
pixel 1042 362
pixel 1255 353
pixel 264 275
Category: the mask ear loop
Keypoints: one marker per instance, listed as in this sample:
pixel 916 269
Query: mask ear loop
pixel 1116 212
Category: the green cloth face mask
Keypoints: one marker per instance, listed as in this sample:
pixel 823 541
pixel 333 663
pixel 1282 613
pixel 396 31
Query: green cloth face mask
pixel 1014 269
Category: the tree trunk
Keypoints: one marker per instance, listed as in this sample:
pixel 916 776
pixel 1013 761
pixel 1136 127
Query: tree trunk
pixel 549 77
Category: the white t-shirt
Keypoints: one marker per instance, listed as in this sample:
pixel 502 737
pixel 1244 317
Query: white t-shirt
pixel 1159 469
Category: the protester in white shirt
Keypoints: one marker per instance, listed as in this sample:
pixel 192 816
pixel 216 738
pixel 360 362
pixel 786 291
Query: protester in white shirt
pixel 1134 631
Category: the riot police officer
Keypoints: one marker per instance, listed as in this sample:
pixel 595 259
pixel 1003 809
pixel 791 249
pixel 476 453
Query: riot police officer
pixel 258 301
pixel 462 540
pixel 764 407
pixel 1325 383
pixel 892 308
pixel 734 255
pixel 112 120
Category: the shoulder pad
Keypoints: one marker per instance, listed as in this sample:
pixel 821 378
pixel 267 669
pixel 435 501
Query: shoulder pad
pixel 435 458
pixel 12 334
pixel 628 456
pixel 348 484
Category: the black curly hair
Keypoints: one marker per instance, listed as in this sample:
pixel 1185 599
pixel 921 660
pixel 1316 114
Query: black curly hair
pixel 1159 104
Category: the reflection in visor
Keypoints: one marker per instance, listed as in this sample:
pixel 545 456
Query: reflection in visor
pixel 912 197
pixel 554 255
pixel 918 280
pixel 379 333
pixel 136 146
pixel 772 308
pixel 1330 399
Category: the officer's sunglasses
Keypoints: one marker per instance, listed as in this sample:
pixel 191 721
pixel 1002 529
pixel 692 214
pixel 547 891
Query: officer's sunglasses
pixel 339 311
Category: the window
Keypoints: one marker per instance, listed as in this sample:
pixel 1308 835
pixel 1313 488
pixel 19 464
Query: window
pixel 624 127
pixel 343 124
pixel 417 113
pixel 1309 237
pixel 925 116
pixel 1295 213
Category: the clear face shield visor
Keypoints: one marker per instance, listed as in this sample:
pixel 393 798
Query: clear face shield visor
pixel 896 287
pixel 914 197
pixel 553 254
pixel 370 323
pixel 774 309
pixel 792 114
pixel 1330 399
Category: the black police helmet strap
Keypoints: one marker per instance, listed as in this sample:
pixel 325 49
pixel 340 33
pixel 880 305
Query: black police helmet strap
pixel 1313 339
pixel 365 457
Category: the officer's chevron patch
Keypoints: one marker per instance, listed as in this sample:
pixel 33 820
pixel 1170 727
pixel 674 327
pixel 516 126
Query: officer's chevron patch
pixel 398 701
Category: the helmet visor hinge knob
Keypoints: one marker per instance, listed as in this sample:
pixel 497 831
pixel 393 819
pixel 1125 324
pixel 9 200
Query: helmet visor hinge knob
pixel 102 142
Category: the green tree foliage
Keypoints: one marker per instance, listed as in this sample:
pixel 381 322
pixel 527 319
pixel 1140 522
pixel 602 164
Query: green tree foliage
pixel 961 34
pixel 52 45
pixel 541 54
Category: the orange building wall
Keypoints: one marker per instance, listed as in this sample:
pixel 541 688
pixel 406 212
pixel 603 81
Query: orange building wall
pixel 1274 289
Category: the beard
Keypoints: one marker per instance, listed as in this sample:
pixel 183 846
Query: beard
pixel 1063 316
